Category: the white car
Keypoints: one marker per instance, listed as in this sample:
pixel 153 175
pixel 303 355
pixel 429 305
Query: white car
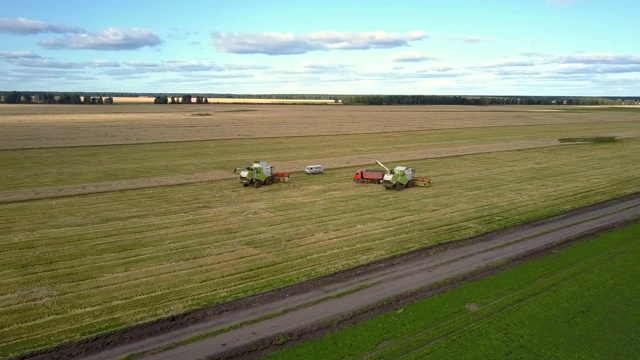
pixel 314 169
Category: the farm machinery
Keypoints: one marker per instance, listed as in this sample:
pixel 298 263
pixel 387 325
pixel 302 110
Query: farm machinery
pixel 401 177
pixel 260 173
pixel 369 176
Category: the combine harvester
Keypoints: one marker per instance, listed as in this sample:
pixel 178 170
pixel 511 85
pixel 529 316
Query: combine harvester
pixel 401 177
pixel 260 174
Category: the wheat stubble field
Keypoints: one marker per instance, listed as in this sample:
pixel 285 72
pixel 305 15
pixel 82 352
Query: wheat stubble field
pixel 114 215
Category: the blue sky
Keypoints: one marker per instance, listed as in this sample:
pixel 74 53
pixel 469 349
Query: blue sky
pixel 488 47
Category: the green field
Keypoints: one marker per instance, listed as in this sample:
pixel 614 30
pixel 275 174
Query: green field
pixel 75 266
pixel 580 303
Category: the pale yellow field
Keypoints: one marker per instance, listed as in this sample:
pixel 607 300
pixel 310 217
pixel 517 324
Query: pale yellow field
pixel 36 126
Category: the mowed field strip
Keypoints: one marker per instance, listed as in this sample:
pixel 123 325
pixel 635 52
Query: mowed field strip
pixel 53 172
pixel 29 126
pixel 72 267
pixel 18 179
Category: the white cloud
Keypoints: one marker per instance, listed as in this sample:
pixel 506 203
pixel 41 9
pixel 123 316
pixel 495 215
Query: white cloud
pixel 271 43
pixel 143 64
pixel 18 55
pixel 596 58
pixel 598 69
pixel 466 39
pixel 579 63
pixel 195 76
pixel 192 66
pixel 30 60
pixel 508 63
pixel 22 26
pixel 136 67
pixel 48 63
pixel 323 66
pixel 245 67
pixel 411 56
pixel 36 75
pixel 107 39
pixel 103 63
pixel 308 68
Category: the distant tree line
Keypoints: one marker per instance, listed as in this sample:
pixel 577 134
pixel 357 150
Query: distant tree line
pixel 480 100
pixel 15 97
pixel 159 98
pixel 408 99
pixel 186 99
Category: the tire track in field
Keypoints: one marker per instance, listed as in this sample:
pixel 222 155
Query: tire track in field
pixel 288 166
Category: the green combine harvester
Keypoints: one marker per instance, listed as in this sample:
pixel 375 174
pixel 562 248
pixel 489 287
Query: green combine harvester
pixel 401 177
pixel 261 173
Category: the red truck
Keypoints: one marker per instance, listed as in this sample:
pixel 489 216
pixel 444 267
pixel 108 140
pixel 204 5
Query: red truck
pixel 369 176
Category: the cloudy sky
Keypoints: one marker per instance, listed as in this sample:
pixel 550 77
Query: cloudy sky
pixel 485 47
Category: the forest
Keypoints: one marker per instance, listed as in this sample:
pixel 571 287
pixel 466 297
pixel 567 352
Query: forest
pixel 39 97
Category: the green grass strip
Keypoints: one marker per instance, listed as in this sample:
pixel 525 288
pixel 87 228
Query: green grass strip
pixel 591 139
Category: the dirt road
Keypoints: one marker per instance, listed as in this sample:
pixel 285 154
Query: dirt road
pixel 254 324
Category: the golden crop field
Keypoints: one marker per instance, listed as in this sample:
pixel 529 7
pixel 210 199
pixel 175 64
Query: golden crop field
pixel 113 215
pixel 33 126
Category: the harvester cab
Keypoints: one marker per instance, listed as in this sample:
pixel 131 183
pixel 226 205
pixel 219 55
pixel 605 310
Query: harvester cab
pixel 260 173
pixel 401 177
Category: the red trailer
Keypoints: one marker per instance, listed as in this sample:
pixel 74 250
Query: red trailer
pixel 369 176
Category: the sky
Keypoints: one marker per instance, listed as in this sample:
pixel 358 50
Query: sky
pixel 428 47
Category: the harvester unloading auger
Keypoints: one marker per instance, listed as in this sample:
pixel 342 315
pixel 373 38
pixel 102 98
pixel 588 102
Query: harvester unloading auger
pixel 261 174
pixel 401 177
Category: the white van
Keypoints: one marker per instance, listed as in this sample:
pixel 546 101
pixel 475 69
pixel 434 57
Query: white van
pixel 314 169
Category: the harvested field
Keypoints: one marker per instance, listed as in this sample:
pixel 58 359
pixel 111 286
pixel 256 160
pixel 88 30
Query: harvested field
pixel 36 126
pixel 133 249
pixel 158 181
